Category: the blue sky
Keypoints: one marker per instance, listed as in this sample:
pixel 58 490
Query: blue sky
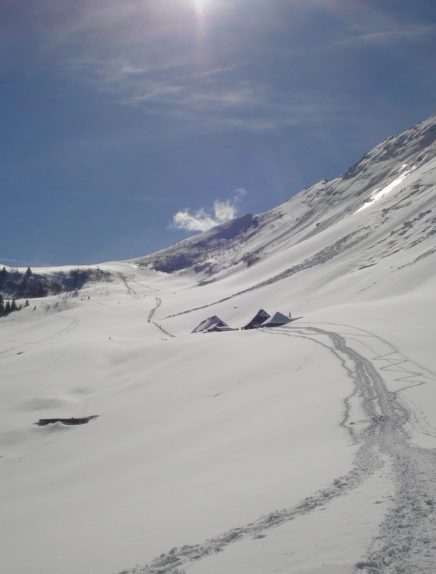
pixel 126 125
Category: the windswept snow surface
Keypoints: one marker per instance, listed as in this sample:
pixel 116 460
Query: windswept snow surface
pixel 381 193
pixel 307 448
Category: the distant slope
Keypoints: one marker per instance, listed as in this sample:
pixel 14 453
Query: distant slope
pixel 385 200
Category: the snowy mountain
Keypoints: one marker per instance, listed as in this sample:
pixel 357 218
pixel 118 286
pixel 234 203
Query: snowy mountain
pixel 399 171
pixel 307 448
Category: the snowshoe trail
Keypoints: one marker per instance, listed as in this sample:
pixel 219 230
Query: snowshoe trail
pixel 406 538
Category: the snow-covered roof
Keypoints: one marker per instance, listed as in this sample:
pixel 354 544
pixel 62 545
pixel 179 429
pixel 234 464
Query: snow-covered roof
pixel 277 319
pixel 260 317
pixel 213 323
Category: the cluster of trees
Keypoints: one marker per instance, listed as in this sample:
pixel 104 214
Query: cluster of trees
pixel 27 285
pixel 7 307
pixel 19 285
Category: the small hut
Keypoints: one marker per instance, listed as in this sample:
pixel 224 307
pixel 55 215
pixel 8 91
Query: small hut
pixel 212 324
pixel 276 320
pixel 260 317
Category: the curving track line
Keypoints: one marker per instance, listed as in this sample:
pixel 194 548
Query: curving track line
pixel 405 543
pixel 158 325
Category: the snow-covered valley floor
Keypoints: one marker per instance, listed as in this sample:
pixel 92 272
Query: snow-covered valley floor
pixel 306 448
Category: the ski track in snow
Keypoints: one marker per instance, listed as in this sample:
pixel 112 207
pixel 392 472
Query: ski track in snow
pixel 406 541
pixel 158 325
pixel 155 308
pixel 146 289
pixel 130 290
pixel 149 290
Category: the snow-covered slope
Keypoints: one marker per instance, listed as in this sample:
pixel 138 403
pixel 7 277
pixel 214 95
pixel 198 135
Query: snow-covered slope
pixel 389 179
pixel 306 448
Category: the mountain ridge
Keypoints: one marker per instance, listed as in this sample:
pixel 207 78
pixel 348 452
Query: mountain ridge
pixel 381 186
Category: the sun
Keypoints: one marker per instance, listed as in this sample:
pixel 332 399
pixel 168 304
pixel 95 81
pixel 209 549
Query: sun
pixel 200 6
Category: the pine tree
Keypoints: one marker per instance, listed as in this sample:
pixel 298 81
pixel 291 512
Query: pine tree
pixel 3 277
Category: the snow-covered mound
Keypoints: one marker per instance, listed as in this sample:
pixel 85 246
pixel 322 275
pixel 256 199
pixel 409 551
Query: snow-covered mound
pixel 306 448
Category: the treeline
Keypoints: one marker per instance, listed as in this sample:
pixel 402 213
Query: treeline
pixel 7 307
pixel 28 285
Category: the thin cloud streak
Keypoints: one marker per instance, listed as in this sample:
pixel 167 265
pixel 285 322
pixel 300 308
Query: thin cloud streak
pixel 145 55
pixel 217 71
pixel 244 106
pixel 391 36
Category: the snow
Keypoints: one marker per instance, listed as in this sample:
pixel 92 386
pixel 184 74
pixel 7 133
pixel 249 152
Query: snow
pixel 305 448
pixel 177 437
pixel 326 531
pixel 381 193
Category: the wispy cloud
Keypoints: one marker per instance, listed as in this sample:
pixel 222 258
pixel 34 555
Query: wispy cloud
pixel 159 57
pixel 412 33
pixel 151 55
pixel 242 105
pixel 155 61
pixel 203 220
pixel 217 71
pixel 176 89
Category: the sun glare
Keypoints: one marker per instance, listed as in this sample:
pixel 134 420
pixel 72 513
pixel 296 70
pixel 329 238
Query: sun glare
pixel 200 6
